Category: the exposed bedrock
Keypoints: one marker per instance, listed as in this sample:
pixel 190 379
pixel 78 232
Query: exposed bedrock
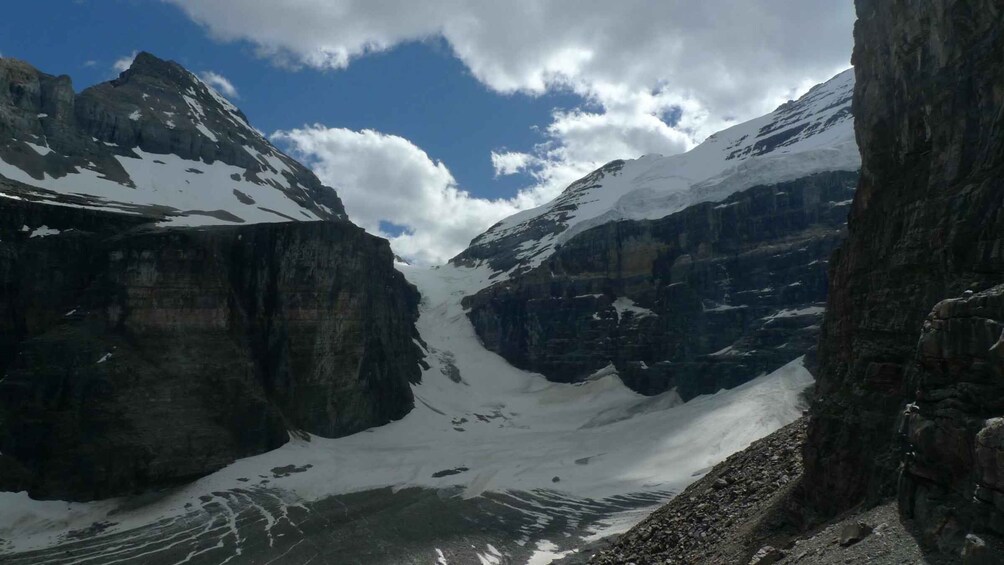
pixel 136 357
pixel 927 224
pixel 700 300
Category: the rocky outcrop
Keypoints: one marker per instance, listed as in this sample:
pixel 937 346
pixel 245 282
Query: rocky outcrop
pixel 700 300
pixel 135 356
pixel 953 475
pixel 926 224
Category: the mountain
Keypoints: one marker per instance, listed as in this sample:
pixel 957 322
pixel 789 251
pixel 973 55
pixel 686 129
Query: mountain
pixel 810 135
pixel 689 273
pixel 156 142
pixel 141 348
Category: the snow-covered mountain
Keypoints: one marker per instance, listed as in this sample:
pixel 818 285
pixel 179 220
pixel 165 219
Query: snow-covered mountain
pixel 810 135
pixel 157 141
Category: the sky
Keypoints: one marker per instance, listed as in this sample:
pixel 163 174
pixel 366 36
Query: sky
pixel 433 120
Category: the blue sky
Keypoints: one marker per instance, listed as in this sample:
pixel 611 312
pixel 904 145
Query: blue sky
pixel 436 119
pixel 417 90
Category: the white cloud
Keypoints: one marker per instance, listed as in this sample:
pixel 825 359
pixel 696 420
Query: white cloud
pixel 122 64
pixel 220 83
pixel 654 76
pixel 511 162
pixel 386 178
pixel 733 57
pixel 90 63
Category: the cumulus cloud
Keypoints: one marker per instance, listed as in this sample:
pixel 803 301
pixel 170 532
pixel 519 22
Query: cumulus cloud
pixel 386 178
pixel 122 64
pixel 653 77
pixel 734 57
pixel 511 162
pixel 221 83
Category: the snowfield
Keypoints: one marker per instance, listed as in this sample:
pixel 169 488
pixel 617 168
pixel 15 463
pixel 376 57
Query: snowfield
pixel 479 426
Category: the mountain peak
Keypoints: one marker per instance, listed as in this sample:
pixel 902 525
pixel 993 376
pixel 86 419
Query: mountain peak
pixel 155 141
pixel 146 63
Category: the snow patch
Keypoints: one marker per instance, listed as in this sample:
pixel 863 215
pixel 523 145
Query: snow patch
pixel 40 149
pixel 547 552
pixel 44 231
pixel 624 305
pixel 796 312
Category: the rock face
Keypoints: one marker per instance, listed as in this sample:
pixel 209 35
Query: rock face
pixel 147 356
pixel 700 300
pixel 156 141
pixel 953 476
pixel 926 225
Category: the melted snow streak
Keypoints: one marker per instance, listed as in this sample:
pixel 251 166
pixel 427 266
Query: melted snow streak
pixel 811 135
pixel 259 525
pixel 493 465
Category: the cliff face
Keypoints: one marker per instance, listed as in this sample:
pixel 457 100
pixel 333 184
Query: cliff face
pixel 700 300
pixel 136 357
pixel 952 480
pixel 926 224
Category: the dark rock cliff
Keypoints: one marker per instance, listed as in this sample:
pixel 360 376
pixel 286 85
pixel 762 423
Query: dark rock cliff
pixel 134 356
pixel 952 481
pixel 927 223
pixel 703 299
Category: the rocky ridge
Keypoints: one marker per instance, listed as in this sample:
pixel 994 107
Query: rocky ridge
pixel 157 141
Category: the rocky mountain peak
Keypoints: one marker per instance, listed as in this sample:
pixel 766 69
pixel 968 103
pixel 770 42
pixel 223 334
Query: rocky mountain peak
pixel 157 141
pixel 170 96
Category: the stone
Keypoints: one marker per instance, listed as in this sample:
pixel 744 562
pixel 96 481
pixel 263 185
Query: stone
pixel 852 533
pixel 766 556
pixel 975 551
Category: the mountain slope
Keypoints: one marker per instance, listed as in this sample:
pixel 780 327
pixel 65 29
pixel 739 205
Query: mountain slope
pixel 813 134
pixel 157 141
